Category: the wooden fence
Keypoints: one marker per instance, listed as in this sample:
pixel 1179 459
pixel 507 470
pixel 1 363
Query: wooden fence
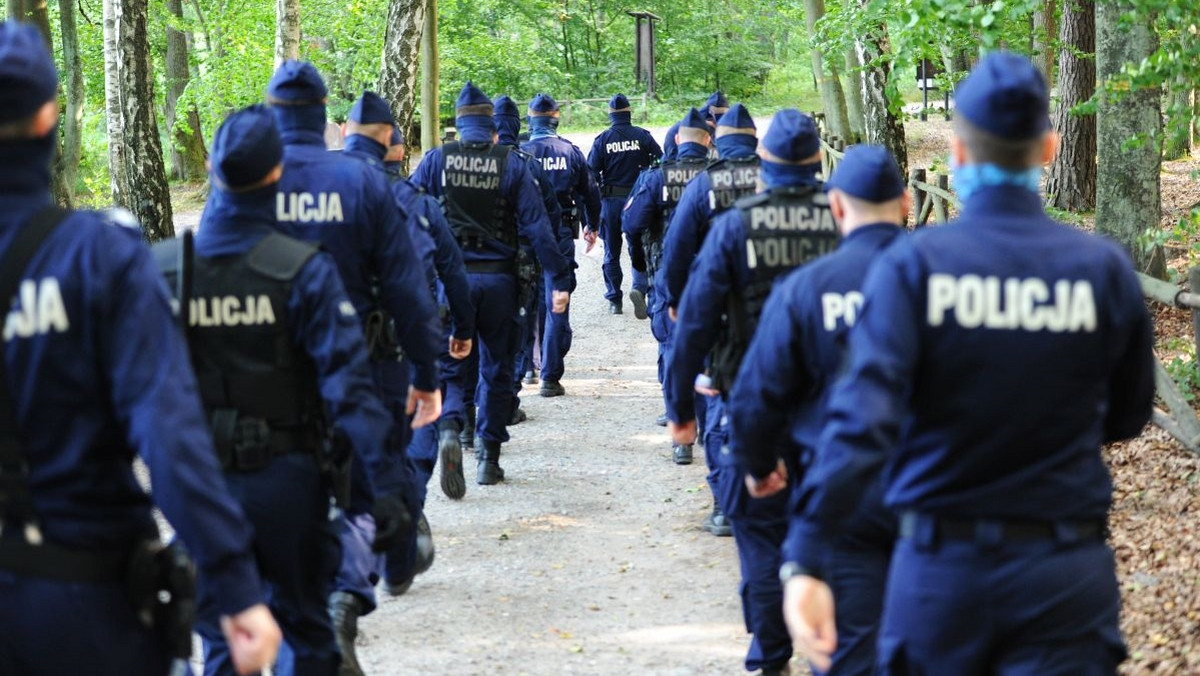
pixel 934 198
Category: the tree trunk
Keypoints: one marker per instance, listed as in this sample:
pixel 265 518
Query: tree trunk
pixel 854 107
pixel 187 147
pixel 287 30
pixel 113 101
pixel 832 97
pixel 1127 187
pixel 148 197
pixel 882 126
pixel 14 9
pixel 1071 184
pixel 401 44
pixel 431 119
pixel 1043 39
pixel 1177 144
pixel 66 166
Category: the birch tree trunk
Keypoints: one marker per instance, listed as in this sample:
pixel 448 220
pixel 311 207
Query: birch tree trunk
pixel 147 194
pixel 401 45
pixel 880 124
pixel 287 30
pixel 1128 201
pixel 833 99
pixel 66 166
pixel 1071 184
pixel 113 102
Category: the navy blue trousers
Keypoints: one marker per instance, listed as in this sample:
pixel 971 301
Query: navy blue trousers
pixel 556 338
pixel 1044 608
pixel 53 628
pixel 298 554
pixel 496 321
pixel 610 232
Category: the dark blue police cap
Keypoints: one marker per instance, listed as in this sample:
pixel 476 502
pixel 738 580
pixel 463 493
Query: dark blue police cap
pixel 694 120
pixel 717 100
pixel 370 108
pixel 296 83
pixel 736 120
pixel 472 101
pixel 397 137
pixel 542 105
pixel 618 103
pixel 503 105
pixel 868 172
pixel 1005 95
pixel 28 79
pixel 245 148
pixel 792 137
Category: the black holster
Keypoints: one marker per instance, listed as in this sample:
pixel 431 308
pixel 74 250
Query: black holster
pixel 380 332
pixel 335 467
pixel 161 582
pixel 527 271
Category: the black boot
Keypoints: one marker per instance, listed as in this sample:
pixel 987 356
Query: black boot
pixel 717 523
pixel 682 454
pixel 344 609
pixel 426 552
pixel 489 472
pixel 450 458
pixel 467 436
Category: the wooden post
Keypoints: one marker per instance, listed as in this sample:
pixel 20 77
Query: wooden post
pixel 1194 287
pixel 431 121
pixel 918 175
pixel 840 146
pixel 941 207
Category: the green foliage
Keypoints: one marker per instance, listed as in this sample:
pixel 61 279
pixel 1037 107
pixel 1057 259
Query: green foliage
pixel 1184 370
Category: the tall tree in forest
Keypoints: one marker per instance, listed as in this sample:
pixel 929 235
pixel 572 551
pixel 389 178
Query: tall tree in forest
pixel 1128 201
pixel 431 124
pixel 833 99
pixel 1043 39
pixel 287 30
pixel 854 106
pixel 401 45
pixel 187 143
pixel 1071 184
pixel 139 177
pixel 1178 141
pixel 66 165
pixel 882 124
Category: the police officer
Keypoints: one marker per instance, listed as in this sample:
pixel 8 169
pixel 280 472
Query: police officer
pixel 276 343
pixel 492 201
pixel 372 136
pixel 618 156
pixel 711 110
pixel 95 370
pixel 647 214
pixel 347 206
pixel 710 193
pixel 778 399
pixel 994 355
pixel 579 199
pixel 749 247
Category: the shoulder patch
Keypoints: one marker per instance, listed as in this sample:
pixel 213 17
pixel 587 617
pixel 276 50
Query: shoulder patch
pixel 280 257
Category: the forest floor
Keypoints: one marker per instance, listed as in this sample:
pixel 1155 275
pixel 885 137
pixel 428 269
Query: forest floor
pixel 590 559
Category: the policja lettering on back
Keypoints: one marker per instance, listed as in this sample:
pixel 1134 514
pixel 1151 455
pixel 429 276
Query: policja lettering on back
pixel 774 246
pixel 622 146
pixel 472 171
pixel 1012 303
pixel 231 311
pixel 40 310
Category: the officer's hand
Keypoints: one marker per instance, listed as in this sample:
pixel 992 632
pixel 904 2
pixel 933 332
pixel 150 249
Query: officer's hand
pixel 561 300
pixel 673 314
pixel 589 236
pixel 769 485
pixel 460 349
pixel 808 611
pixel 426 405
pixel 682 433
pixel 253 639
pixel 393 523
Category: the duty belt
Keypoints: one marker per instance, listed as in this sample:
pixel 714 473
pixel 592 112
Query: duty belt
pixel 58 563
pixel 492 267
pixel 616 190
pixel 247 444
pixel 926 527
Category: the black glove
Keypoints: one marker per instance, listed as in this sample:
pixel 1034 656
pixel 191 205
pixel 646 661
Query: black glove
pixel 393 523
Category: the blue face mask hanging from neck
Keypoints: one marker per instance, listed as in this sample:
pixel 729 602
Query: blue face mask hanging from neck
pixel 542 126
pixel 971 178
pixel 775 175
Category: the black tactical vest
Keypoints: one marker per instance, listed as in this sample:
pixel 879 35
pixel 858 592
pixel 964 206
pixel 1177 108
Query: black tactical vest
pixel 785 228
pixel 475 206
pixel 259 390
pixel 731 180
pixel 676 175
